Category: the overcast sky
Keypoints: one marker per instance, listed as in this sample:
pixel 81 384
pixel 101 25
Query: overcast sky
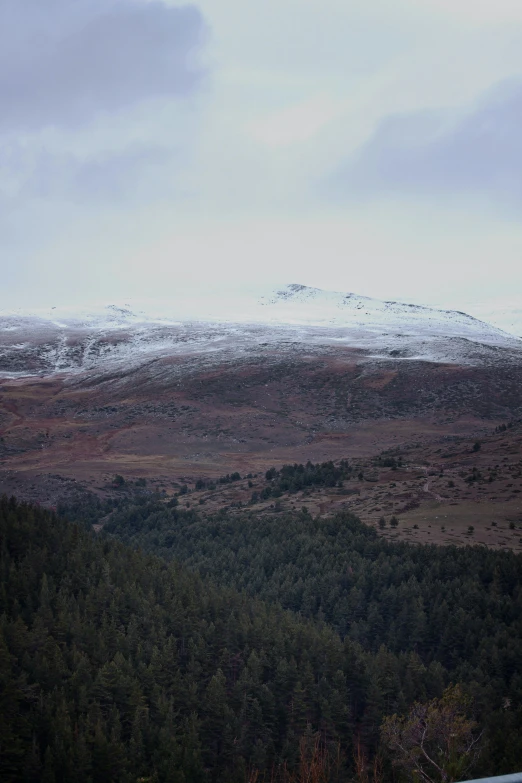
pixel 372 146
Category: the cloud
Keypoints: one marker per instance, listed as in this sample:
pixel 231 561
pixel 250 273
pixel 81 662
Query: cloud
pixel 71 60
pixel 472 12
pixel 296 123
pixel 130 176
pixel 115 177
pixel 97 106
pixel 434 154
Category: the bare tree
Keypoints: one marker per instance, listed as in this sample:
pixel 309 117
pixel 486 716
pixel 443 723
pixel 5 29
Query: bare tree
pixel 364 771
pixel 436 742
pixel 317 764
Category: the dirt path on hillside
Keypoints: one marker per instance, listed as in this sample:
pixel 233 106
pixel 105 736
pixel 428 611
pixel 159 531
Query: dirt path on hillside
pixel 426 487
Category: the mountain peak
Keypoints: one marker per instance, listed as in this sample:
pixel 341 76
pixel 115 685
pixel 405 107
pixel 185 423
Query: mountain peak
pixel 293 305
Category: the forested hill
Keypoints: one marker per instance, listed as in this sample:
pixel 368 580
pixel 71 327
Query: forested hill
pixel 115 666
pixel 459 606
pixel 118 666
pixel 458 610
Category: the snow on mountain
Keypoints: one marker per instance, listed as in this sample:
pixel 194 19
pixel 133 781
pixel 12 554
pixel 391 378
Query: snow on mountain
pixel 301 304
pixel 73 340
pixel 504 312
pixel 291 304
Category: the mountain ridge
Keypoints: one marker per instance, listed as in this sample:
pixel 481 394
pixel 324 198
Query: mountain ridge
pixel 71 341
pixel 245 307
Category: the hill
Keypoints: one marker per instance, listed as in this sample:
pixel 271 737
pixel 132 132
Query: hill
pixel 306 375
pixel 116 666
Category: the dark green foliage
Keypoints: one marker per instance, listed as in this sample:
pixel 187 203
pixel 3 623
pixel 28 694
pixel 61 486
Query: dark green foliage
pixel 88 509
pixel 458 609
pixel 115 665
pixel 294 478
pixel 508 426
pixel 389 461
pixel 228 479
pixel 338 565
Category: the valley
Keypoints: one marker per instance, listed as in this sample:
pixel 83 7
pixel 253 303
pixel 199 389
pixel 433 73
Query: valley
pixel 238 583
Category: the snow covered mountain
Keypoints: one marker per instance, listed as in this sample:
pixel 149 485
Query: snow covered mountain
pixel 291 304
pixel 504 312
pixel 59 340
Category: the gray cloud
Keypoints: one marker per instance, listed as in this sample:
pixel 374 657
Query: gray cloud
pixel 122 177
pixel 433 154
pixel 132 176
pixel 64 61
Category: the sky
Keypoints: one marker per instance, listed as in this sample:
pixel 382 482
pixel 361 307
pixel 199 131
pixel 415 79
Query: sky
pixel 371 146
